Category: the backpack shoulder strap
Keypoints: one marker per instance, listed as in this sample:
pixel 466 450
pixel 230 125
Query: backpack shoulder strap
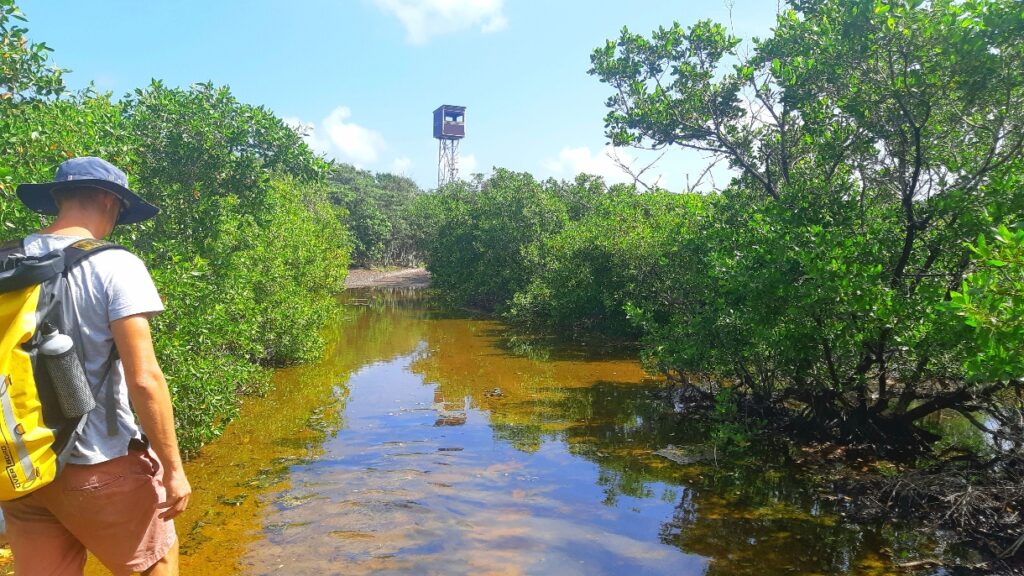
pixel 74 254
pixel 82 249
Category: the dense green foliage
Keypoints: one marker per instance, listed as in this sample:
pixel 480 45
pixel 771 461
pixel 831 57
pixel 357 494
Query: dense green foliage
pixel 870 138
pixel 379 210
pixel 990 301
pixel 482 240
pixel 24 71
pixel 248 250
pixel 554 255
pixel 611 257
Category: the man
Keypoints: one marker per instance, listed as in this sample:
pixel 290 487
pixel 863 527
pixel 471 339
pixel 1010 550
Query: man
pixel 119 490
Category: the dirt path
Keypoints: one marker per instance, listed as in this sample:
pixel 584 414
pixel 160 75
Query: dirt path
pixel 401 278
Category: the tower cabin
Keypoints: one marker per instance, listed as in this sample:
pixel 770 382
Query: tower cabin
pixel 450 122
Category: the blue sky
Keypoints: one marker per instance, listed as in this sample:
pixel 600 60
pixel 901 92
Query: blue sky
pixel 365 75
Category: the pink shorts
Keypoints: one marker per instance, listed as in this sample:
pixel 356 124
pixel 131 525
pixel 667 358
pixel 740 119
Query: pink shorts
pixel 108 508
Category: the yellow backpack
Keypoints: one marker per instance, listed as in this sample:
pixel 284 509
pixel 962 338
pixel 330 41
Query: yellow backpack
pixel 38 422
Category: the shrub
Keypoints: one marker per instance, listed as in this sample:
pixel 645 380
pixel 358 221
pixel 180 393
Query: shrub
pixel 482 241
pixel 379 209
pixel 615 255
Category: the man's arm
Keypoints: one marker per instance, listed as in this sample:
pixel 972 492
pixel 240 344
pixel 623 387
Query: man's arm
pixel 152 402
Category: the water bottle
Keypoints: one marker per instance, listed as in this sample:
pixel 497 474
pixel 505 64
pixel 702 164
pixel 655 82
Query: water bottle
pixel 57 353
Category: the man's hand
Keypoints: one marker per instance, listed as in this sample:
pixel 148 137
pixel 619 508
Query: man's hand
pixel 178 492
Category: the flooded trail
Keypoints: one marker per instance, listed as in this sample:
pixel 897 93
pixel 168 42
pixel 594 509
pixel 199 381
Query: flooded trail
pixel 432 443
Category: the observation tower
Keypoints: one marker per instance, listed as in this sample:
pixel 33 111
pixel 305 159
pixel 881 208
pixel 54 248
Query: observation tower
pixel 449 128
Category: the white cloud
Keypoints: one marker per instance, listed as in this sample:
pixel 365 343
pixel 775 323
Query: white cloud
pixel 340 139
pixel 424 19
pixel 573 161
pixel 401 165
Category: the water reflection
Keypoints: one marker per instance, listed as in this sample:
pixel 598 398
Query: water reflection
pixel 431 442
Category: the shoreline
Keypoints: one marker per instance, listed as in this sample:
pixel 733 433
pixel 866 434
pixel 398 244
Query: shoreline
pixel 387 278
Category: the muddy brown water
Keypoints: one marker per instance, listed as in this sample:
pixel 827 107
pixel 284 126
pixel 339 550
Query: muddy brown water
pixel 427 442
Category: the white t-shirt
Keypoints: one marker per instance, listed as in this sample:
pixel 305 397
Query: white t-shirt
pixel 105 287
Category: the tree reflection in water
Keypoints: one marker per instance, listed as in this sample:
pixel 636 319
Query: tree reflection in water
pixel 747 515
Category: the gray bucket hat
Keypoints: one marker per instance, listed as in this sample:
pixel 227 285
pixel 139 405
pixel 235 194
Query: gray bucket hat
pixel 88 172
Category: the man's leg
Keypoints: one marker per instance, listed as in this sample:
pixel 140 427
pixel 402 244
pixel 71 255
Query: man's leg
pixel 39 543
pixel 166 566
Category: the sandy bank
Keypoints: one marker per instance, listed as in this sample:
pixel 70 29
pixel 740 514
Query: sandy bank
pixel 400 278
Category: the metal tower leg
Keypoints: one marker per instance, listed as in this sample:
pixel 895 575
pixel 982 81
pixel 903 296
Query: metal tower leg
pixel 447 161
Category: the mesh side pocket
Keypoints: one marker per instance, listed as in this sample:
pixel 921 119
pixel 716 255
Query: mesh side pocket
pixel 69 382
